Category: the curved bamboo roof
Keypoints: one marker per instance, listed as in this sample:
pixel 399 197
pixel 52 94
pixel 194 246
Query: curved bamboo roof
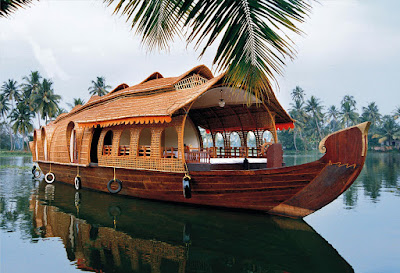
pixel 156 100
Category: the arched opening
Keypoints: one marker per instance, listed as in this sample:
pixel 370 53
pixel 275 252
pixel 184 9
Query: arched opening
pixel 94 145
pixel 124 142
pixel 71 142
pixel 268 137
pixel 144 148
pixel 236 149
pixel 44 143
pixel 219 145
pixel 169 143
pixel 206 138
pixel 251 145
pixel 107 144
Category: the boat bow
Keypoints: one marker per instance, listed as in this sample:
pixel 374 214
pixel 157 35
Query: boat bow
pixel 345 153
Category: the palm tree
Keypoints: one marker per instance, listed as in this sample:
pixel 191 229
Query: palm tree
pixel 396 113
pixel 389 130
pixel 348 114
pixel 4 107
pixel 333 115
pixel 371 113
pixel 314 107
pixel 76 102
pixel 9 6
pixel 350 100
pixel 46 100
pixel 21 117
pixel 99 87
pixel 31 88
pixel 252 35
pixel 11 93
pixel 298 94
pixel 300 116
pixel 60 111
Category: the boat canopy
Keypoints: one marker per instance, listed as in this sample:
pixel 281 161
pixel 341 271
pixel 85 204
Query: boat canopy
pixel 197 92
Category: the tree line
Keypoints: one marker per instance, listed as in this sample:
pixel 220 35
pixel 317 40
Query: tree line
pixel 35 96
pixel 313 121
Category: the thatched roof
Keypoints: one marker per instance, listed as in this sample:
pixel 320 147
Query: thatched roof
pixel 155 100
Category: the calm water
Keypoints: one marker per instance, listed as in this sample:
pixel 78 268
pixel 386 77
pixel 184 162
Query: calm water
pixel 51 228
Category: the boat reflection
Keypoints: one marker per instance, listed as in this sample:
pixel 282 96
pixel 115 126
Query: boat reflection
pixel 105 233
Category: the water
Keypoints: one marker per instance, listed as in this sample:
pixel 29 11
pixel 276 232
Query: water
pixel 51 228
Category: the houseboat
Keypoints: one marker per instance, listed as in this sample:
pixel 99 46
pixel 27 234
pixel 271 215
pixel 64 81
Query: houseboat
pixel 145 141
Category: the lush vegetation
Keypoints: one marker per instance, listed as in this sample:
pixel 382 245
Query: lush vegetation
pixel 35 96
pixel 315 120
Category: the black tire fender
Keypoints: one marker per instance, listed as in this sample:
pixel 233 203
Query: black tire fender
pixel 49 177
pixel 111 182
pixel 187 192
pixel 78 182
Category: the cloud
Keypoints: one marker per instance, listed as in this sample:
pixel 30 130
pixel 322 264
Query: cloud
pixel 46 58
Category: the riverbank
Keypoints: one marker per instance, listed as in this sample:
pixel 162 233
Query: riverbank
pixel 15 153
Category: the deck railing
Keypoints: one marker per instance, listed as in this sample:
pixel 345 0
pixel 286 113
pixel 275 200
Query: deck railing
pixel 107 149
pixel 124 150
pixel 144 151
pixel 204 156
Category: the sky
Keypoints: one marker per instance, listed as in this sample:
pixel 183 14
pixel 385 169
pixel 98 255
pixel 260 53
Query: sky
pixel 350 47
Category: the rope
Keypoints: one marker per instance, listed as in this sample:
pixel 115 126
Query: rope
pixel 187 172
pixel 50 167
pixel 77 172
pixel 114 173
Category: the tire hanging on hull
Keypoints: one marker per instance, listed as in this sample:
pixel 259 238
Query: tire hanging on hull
pixel 187 191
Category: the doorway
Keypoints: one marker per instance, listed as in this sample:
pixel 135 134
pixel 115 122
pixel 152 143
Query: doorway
pixel 93 146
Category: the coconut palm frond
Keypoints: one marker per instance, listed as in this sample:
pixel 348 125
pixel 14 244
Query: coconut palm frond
pixel 10 6
pixel 252 48
pixel 253 44
pixel 157 21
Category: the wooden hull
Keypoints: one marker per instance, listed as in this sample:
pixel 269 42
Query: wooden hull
pixel 293 191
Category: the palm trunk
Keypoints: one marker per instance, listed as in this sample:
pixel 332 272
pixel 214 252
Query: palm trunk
pixel 294 140
pixel 11 137
pixel 319 130
pixel 38 118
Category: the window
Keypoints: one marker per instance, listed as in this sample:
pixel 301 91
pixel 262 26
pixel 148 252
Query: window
pixel 107 146
pixel 124 142
pixel 144 148
pixel 169 143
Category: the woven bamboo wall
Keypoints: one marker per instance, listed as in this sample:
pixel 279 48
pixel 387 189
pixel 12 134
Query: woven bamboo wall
pixel 32 148
pixel 59 150
pixel 40 144
pixel 84 145
pixel 132 161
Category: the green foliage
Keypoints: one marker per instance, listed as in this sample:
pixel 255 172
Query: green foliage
pixel 46 100
pixel 18 105
pixel 76 102
pixel 252 35
pixel 99 87
pixel 312 123
pixel 7 7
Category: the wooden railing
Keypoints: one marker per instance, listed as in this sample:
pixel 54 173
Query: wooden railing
pixel 196 156
pixel 107 149
pixel 169 152
pixel 124 150
pixel 204 156
pixel 144 151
